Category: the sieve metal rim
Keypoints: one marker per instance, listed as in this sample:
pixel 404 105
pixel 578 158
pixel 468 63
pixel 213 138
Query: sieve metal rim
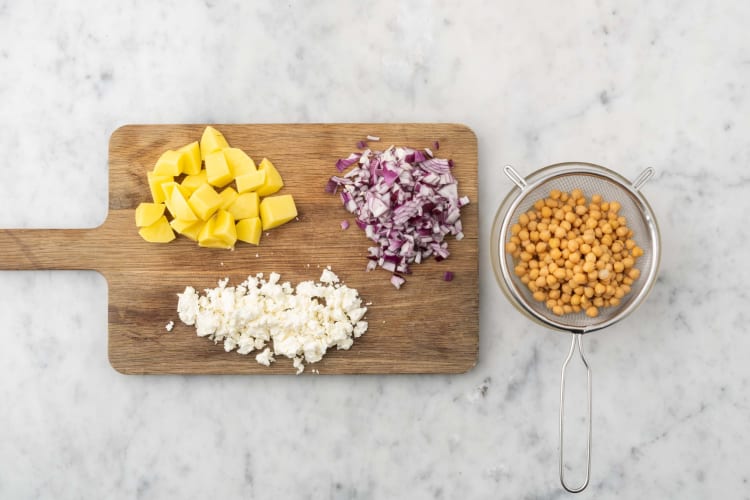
pixel 522 189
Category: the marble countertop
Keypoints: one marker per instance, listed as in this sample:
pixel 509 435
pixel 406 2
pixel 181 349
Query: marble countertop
pixel 622 84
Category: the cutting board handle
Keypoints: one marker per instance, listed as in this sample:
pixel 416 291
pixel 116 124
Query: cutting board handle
pixel 30 249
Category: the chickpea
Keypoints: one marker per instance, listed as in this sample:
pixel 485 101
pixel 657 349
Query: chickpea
pixel 592 312
pixel 539 296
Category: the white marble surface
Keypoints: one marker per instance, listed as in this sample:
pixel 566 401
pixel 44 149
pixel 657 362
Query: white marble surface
pixel 624 84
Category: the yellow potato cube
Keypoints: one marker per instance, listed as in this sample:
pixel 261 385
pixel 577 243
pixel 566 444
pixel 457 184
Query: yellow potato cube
pixel 251 181
pixel 273 181
pixel 167 189
pixel 192 182
pixel 190 229
pixel 228 196
pixel 277 210
pixel 212 140
pixel 158 232
pixel 169 163
pixel 219 231
pixel 224 228
pixel 155 182
pixel 245 206
pixel 180 208
pixel 217 170
pixel 191 158
pixel 249 230
pixel 204 201
pixel 239 162
pixel 148 213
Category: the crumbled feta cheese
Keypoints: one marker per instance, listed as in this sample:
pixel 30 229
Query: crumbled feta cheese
pixel 265 357
pixel 274 318
pixel 169 326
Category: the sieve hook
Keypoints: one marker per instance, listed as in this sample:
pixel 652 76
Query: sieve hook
pixel 643 178
pixel 576 342
pixel 515 177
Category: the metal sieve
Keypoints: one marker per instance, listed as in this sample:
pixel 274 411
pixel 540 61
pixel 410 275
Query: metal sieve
pixel 591 179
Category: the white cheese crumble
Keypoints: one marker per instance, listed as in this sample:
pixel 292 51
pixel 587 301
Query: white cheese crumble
pixel 273 318
pixel 169 326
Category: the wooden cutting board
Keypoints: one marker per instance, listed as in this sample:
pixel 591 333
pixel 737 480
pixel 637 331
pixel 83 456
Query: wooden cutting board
pixel 428 326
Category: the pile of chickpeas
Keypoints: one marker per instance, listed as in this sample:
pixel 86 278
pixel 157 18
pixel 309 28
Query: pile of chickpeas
pixel 574 255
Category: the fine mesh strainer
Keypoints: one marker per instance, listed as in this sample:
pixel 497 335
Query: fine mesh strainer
pixel 591 179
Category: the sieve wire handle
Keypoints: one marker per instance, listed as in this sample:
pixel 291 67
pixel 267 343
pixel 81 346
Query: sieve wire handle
pixel 643 178
pixel 575 343
pixel 517 179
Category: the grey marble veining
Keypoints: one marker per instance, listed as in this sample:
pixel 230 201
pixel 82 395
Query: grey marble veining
pixel 623 84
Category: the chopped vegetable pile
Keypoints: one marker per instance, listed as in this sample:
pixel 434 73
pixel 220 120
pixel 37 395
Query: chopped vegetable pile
pixel 406 201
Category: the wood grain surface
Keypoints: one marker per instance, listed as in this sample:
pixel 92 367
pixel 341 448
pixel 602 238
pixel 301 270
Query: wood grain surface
pixel 429 326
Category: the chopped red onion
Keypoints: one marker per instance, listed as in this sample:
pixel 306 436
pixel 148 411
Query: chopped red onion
pixel 448 276
pixel 373 138
pixel 345 163
pixel 361 145
pixel 344 224
pixel 407 203
pixel 397 281
pixel 436 145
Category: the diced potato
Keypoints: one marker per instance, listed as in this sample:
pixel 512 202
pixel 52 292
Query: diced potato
pixel 219 231
pixel 148 213
pixel 239 162
pixel 245 206
pixel 212 140
pixel 192 182
pixel 224 228
pixel 277 210
pixel 228 196
pixel 204 201
pixel 217 170
pixel 249 230
pixel 251 181
pixel 272 182
pixel 180 207
pixel 155 182
pixel 190 229
pixel 169 163
pixel 158 232
pixel 191 160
